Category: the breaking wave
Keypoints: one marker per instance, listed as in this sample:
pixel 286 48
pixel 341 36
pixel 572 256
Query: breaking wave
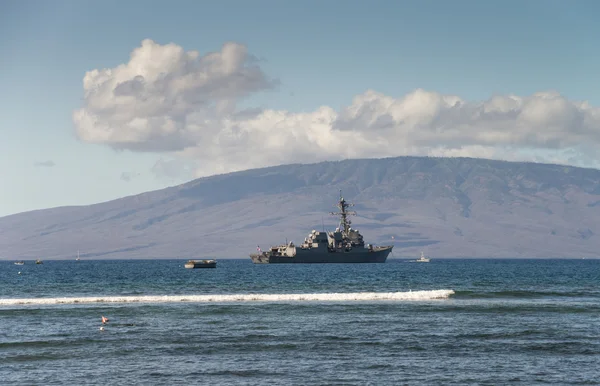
pixel 526 294
pixel 318 297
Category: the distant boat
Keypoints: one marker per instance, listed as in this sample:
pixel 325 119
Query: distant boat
pixel 422 259
pixel 77 259
pixel 208 263
pixel 38 261
pixel 20 262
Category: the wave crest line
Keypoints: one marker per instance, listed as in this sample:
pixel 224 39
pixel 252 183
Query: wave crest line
pixel 215 298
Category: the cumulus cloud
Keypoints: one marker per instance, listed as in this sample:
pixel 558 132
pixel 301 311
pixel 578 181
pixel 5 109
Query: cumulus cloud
pixel 47 164
pixel 166 99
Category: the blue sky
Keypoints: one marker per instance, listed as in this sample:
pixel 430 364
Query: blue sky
pixel 316 54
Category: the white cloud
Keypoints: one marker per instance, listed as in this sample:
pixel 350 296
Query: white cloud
pixel 185 104
pixel 164 98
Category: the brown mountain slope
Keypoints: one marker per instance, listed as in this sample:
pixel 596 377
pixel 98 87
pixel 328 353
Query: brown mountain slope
pixel 448 207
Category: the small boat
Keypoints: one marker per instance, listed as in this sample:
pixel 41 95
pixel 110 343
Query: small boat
pixel 422 259
pixel 77 259
pixel 20 262
pixel 38 261
pixel 207 263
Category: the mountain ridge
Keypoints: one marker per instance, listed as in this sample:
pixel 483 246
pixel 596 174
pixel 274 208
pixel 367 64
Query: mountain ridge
pixel 449 207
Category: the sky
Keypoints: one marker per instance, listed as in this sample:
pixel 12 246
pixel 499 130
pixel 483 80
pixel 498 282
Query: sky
pixel 101 100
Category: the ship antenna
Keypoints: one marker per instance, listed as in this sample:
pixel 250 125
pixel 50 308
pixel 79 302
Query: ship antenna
pixel 343 213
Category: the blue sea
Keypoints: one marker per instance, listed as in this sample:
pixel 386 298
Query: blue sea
pixel 450 321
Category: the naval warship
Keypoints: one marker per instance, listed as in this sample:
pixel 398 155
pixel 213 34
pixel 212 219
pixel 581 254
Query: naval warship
pixel 344 245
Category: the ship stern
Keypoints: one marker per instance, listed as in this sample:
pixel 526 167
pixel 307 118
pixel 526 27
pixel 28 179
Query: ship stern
pixel 259 258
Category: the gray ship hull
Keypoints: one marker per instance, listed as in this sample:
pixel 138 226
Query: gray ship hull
pixel 379 255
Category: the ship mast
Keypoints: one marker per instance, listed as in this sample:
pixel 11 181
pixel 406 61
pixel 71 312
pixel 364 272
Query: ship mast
pixel 344 213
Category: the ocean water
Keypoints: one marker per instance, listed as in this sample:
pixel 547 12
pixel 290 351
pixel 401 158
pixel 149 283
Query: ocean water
pixel 446 322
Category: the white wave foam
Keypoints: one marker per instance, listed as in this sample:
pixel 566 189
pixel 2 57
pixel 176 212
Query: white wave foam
pixel 322 297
